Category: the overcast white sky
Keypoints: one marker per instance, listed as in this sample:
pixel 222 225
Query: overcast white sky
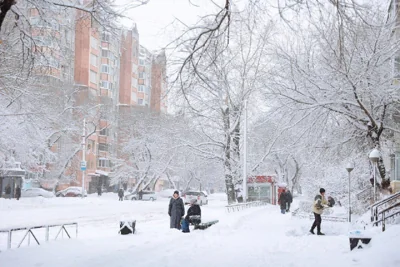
pixel 155 18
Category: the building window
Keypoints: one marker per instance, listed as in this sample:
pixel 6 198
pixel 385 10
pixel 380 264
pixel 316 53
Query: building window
pixel 105 68
pixel 105 37
pixel 93 60
pixel 105 53
pixel 104 131
pixel 134 97
pixel 103 147
pixel 141 75
pixel 141 88
pixel 93 76
pixel 105 84
pixel 140 101
pixel 141 62
pixel 93 42
pixel 134 82
pixel 103 163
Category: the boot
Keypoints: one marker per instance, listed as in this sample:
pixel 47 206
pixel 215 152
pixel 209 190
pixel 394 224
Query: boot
pixel 312 231
pixel 319 233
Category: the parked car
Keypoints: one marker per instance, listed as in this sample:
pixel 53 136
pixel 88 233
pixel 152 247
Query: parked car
pixel 72 191
pixel 167 193
pixel 147 195
pixel 199 196
pixel 36 192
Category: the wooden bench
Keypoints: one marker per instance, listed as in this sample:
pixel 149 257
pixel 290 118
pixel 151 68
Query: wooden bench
pixel 204 225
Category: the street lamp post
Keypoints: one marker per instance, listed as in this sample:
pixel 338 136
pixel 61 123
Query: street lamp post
pixel 349 168
pixel 374 157
pixel 244 191
pixel 83 163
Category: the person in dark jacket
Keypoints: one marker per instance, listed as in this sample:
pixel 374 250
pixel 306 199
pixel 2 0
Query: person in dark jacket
pixel 8 191
pixel 140 194
pixel 193 211
pixel 176 211
pixel 17 192
pixel 289 197
pixel 283 201
pixel 99 190
pixel 121 194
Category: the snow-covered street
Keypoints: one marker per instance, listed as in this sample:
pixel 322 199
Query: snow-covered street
pixel 258 236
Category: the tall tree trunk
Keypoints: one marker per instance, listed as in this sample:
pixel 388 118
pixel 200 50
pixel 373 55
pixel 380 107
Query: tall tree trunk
pixel 230 187
pixel 375 134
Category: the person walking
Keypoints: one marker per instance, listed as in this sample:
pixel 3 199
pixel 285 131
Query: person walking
pixel 140 194
pixel 318 208
pixel 121 194
pixel 176 211
pixel 99 190
pixel 17 192
pixel 283 201
pixel 289 197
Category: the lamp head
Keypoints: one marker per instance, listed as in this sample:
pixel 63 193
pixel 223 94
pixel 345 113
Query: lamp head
pixel 374 155
pixel 349 167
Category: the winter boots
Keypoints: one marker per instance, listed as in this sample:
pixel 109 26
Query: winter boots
pixel 318 233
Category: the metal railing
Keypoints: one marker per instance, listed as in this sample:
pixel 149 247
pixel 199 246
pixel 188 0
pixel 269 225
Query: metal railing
pixel 376 208
pixel 308 215
pixel 386 214
pixel 242 206
pixel 367 193
pixel 29 232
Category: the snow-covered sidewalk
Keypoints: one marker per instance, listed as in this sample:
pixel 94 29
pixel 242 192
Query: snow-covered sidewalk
pixel 255 237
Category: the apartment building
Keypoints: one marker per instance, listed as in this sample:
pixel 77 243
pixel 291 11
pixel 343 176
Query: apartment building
pixel 97 73
pixel 111 73
pixel 159 83
pixel 145 68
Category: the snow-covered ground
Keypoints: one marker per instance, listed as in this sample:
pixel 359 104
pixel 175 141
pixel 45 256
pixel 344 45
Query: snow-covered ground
pixel 258 236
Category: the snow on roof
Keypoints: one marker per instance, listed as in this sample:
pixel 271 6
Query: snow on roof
pixel 102 172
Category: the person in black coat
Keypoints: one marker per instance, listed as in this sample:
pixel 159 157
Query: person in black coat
pixel 283 199
pixel 176 211
pixel 192 211
pixel 17 192
pixel 121 194
pixel 289 197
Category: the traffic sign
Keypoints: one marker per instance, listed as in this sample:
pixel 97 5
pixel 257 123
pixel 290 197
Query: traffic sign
pixel 83 165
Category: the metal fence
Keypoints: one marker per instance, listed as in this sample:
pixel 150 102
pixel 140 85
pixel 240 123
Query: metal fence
pixel 308 215
pixel 242 206
pixel 29 233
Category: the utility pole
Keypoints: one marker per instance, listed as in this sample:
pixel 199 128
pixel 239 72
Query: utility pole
pixel 244 193
pixel 83 162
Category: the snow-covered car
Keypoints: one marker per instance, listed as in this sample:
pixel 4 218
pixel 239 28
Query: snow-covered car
pixel 201 198
pixel 72 191
pixel 36 192
pixel 147 195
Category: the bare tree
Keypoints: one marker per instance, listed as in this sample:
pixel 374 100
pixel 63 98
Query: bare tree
pixel 215 85
pixel 345 77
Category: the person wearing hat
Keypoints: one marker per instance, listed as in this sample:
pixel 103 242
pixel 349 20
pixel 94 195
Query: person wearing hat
pixel 318 208
pixel 176 210
pixel 194 210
